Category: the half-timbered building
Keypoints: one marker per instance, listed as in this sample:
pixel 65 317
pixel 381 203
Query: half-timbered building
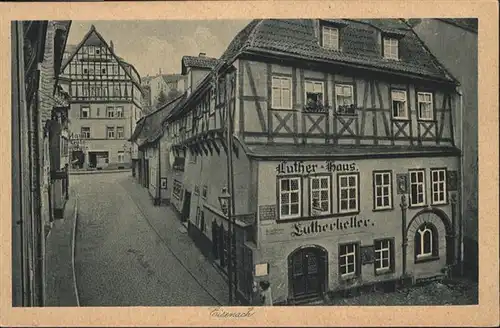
pixel 345 166
pixel 106 99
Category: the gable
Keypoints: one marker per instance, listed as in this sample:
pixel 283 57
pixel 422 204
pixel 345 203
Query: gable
pixel 94 51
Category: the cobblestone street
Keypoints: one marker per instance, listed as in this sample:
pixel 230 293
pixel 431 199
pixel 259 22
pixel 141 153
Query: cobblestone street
pixel 120 259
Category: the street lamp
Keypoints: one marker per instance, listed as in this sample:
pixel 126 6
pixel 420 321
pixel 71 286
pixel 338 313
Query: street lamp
pixel 224 200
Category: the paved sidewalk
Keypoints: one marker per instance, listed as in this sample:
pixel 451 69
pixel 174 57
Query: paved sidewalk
pixel 170 229
pixel 60 284
pixel 80 172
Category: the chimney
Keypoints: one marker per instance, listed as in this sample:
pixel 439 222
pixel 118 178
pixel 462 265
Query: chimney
pixel 112 46
pixel 202 54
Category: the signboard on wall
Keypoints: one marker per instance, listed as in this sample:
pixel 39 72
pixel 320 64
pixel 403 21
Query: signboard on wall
pixel 261 269
pixel 367 254
pixel 452 179
pixel 402 183
pixel 300 167
pixel 316 227
pixel 267 212
pixel 163 183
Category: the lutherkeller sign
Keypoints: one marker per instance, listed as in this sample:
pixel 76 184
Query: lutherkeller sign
pixel 299 167
pixel 317 227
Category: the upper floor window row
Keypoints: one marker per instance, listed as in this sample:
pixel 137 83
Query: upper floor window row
pixel 95 50
pixel 314 96
pixel 425 105
pixel 111 112
pixel 330 39
pixel 317 193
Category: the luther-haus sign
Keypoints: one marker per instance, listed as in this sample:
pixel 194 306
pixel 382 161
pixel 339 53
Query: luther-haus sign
pixel 301 167
pixel 315 227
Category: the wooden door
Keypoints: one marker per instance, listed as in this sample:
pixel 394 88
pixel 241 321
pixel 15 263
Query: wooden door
pixel 307 272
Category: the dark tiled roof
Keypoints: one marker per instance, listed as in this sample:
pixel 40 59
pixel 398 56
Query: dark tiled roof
pixel 360 45
pixel 152 125
pixel 130 68
pixel 199 62
pixel 138 129
pixel 345 151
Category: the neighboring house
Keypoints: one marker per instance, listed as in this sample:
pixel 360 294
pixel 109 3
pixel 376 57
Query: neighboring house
pixel 345 163
pixel 39 116
pixel 152 164
pixel 106 99
pixel 163 88
pixel 196 68
pixel 454 43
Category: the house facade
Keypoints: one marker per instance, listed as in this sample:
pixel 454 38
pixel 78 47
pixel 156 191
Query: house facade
pixel 153 164
pixel 160 169
pixel 170 85
pixel 455 35
pixel 105 104
pixel 39 178
pixel 344 168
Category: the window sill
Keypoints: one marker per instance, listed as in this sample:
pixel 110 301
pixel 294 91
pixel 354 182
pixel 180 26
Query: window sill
pixel 427 259
pixel 417 206
pixel 400 119
pixel 289 218
pixel 382 272
pixel 424 120
pixel 330 48
pixel 385 209
pixel 348 278
pixel 284 109
pixel 324 111
pixel 319 217
pixel 346 114
pixel 440 204
pixel 349 212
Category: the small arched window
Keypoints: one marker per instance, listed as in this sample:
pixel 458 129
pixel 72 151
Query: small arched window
pixel 426 242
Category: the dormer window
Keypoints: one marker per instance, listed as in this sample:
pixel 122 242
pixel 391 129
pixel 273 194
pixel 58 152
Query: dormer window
pixel 391 48
pixel 330 37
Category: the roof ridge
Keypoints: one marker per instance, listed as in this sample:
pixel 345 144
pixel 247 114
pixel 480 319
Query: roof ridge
pixel 251 36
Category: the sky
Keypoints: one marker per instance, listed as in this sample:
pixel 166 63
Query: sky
pixel 154 45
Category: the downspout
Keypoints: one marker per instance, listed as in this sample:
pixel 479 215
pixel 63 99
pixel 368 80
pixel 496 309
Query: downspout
pixel 158 175
pixel 404 207
pixel 461 172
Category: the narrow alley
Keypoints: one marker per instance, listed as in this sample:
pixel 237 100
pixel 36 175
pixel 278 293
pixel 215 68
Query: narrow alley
pixel 122 259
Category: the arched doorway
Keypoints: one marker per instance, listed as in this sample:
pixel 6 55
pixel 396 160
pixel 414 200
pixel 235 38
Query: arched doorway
pixel 307 271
